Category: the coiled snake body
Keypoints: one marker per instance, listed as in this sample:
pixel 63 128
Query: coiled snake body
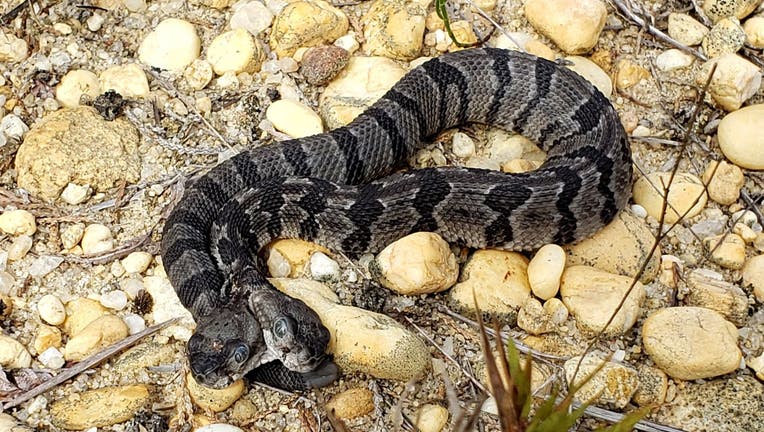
pixel 331 189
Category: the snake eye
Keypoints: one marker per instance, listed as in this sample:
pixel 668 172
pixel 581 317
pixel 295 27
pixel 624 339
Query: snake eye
pixel 240 353
pixel 283 326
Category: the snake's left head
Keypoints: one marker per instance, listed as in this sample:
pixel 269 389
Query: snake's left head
pixel 227 344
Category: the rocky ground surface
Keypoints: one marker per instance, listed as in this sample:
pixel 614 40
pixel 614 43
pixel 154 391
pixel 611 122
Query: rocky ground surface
pixel 108 105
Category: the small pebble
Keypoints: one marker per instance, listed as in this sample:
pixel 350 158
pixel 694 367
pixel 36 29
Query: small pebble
pixel 734 81
pixel 629 74
pixel 6 282
pixel 720 9
pixel 44 264
pixel 294 118
pixel 545 270
pixel 253 17
pixel 172 45
pixel 96 238
pixel 52 358
pixel 13 127
pixel 740 137
pixel 100 407
pixel 135 323
pixel 673 59
pixel 753 275
pixel 462 145
pixel 137 262
pixel 727 250
pixel 12 49
pixel 686 29
pixel 754 31
pixel 724 181
pixel 19 247
pixel 348 42
pixel 198 74
pixel 17 222
pixel 612 384
pixel 593 73
pixel 394 29
pixel 420 263
pixel 97 335
pixel 116 300
pixel 13 354
pixel 46 337
pixel 322 267
pixel 75 84
pixel 128 80
pixel 321 64
pixel 51 309
pixel 708 289
pixel 75 194
pixel 351 403
pixel 214 400
pixel 71 235
pixel 306 24
pixel 235 51
pixel 431 418
pixel 726 37
pixel 80 312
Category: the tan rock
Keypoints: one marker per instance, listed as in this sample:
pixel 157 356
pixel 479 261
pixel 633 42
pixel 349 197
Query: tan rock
pixel 431 417
pixel 726 37
pixel 708 289
pixel 12 48
pixel 728 250
pixel 420 263
pixel 613 385
pixel 293 255
pixel 172 45
pixel 592 296
pixel 673 59
pixel 724 181
pixel 214 400
pixel 19 247
pixel 99 408
pixel 13 354
pixel 629 74
pixel 686 196
pixel 621 248
pixel 545 270
pixel 360 84
pixel 593 73
pixel 75 84
pixel 99 334
pixel 51 309
pixel 294 118
pixel 137 262
pixel 720 9
pixel 497 280
pixel 71 235
pixel 46 337
pixel 306 24
pixel 394 29
pixel 653 387
pixel 753 275
pixel 77 146
pixel 80 312
pixel 96 238
pixel 17 222
pixel 691 342
pixel 534 319
pixel 754 31
pixel 129 80
pixel 740 137
pixel 463 33
pixel 362 341
pixel 351 403
pixel 573 25
pixel 686 29
pixel 235 51
pixel 734 81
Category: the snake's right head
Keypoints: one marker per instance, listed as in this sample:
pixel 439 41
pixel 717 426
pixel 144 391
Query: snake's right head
pixel 227 344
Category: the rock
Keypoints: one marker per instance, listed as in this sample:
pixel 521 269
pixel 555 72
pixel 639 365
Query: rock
pixel 735 80
pixel 219 427
pixel 52 358
pixel 96 239
pixel 431 418
pixel 463 33
pixel 673 59
pixel 394 29
pixel 80 312
pixel 740 137
pixel 720 9
pixel 17 222
pixel 74 194
pixel 321 64
pixel 591 296
pixel 128 80
pixel 13 355
pixel 306 24
pixel 12 49
pixel 351 403
pixel 99 408
pixel 629 74
pixel 46 337
pixel 115 299
pixel 686 196
pixel 71 235
pixel 97 335
pixel 745 232
pixel 727 250
pixel 753 275
pixel 77 146
pixel 51 309
pixel 199 73
pixel 294 118
pixel 724 180
pixel 145 355
pixel 691 342
pixel 215 400
pixel 462 145
pixel 172 45
pixel 613 385
pixel 621 248
pixel 13 127
pixel 253 17
pixel 523 42
pixel 593 73
pixel 754 31
pixel 323 268
pixel 6 283
pixel 545 270
pixel 686 29
pixel 235 51
pixel 360 84
pixel 420 263
pixel 362 341
pixel 653 386
pixel 534 319
pixel 757 365
pixel 726 37
pixel 9 423
pixel 19 248
pixel 573 25
pixel 288 257
pixel 137 262
pixel 348 43
pixel 167 306
pixel 708 289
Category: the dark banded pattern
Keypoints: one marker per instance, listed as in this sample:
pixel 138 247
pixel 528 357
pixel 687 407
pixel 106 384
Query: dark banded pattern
pixel 336 189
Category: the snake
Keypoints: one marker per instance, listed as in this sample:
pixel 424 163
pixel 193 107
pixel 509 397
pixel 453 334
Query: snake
pixel 345 189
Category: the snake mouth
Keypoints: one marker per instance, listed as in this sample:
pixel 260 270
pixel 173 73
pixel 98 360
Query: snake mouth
pixel 207 370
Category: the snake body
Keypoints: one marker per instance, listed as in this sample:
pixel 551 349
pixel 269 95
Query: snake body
pixel 336 189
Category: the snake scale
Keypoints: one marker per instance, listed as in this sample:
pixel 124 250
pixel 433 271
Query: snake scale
pixel 336 189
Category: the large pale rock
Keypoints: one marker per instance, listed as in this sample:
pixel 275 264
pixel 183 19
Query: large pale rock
pixel 360 340
pixel 75 84
pixel 420 263
pixel 294 118
pixel 708 289
pixel 734 81
pixel 99 408
pixel 129 80
pixel 724 180
pixel 593 73
pixel 691 342
pixel 80 312
pixel 614 384
pixel 754 31
pixel 99 334
pixel 306 24
pixel 726 37
pixel 728 250
pixel 497 280
pixel 235 51
pixel 77 146
pixel 621 248
pixel 574 25
pixel 431 418
pixel 740 137
pixel 289 257
pixel 18 222
pixel 172 45
pixel 394 29
pixel 686 196
pixel 360 84
pixel 592 296
pixel 545 270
